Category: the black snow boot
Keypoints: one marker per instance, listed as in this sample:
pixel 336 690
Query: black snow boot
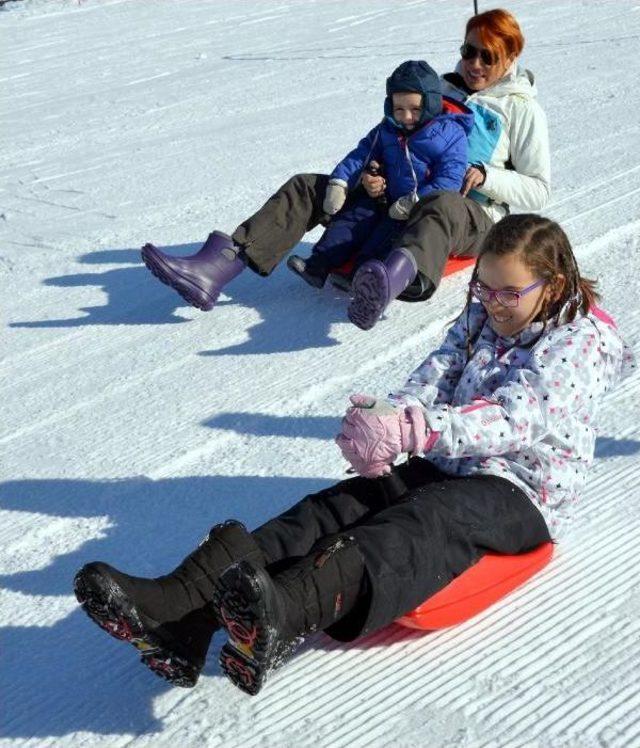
pixel 267 617
pixel 169 619
pixel 314 269
pixel 420 289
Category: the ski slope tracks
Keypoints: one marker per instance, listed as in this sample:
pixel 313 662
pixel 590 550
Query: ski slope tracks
pixel 131 423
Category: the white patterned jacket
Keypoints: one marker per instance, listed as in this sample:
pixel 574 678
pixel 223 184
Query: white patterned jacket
pixel 519 408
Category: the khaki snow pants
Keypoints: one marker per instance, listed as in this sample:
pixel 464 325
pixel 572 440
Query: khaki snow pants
pixel 441 224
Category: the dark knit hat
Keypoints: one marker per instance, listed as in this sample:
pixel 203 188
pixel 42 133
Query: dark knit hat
pixel 416 76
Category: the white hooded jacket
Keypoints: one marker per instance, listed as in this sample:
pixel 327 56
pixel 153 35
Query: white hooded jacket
pixel 510 139
pixel 519 408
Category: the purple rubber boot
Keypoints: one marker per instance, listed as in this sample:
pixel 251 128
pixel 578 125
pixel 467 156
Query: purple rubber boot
pixel 199 278
pixel 376 284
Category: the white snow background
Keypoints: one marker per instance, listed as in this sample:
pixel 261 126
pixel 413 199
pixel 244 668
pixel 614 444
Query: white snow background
pixel 131 423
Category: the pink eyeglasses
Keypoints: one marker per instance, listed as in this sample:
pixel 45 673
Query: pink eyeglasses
pixel 503 296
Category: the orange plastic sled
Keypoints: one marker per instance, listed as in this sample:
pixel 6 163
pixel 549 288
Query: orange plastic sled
pixel 493 577
pixel 457 263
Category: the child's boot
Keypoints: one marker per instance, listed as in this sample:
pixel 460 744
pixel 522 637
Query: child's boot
pixel 169 619
pixel 420 289
pixel 314 269
pixel 377 283
pixel 200 277
pixel 266 618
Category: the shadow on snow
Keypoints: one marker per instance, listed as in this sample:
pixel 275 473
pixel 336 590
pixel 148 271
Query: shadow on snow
pixel 293 315
pixel 262 424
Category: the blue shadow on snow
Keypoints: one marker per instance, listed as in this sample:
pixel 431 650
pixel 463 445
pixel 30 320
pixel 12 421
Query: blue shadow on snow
pixel 260 424
pixel 607 446
pixel 133 296
pixel 293 316
pixel 326 427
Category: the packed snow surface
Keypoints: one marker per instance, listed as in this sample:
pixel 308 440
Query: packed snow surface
pixel 131 423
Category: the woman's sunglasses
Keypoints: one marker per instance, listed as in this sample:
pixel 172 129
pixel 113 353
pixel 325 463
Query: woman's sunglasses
pixel 469 52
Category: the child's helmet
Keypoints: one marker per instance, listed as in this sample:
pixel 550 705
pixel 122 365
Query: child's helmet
pixel 415 76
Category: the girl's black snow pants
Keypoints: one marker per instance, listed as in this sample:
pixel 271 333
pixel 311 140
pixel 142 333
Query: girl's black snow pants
pixel 416 531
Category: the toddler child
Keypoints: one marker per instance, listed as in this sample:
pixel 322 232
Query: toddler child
pixel 419 147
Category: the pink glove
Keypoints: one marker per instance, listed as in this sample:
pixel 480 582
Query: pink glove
pixel 374 433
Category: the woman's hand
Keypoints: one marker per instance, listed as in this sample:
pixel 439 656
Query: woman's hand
pixel 373 185
pixel 474 177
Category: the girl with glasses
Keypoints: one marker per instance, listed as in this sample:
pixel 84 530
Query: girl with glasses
pixel 509 165
pixel 499 425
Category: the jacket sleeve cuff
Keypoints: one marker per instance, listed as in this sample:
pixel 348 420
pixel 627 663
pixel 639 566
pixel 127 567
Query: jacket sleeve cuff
pixel 487 187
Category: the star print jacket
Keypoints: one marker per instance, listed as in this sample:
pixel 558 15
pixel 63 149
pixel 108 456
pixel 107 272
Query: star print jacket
pixel 521 408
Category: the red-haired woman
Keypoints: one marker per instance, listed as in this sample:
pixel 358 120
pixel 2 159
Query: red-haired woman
pixel 509 165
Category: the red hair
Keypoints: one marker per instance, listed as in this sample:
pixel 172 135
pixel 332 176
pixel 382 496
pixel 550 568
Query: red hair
pixel 499 32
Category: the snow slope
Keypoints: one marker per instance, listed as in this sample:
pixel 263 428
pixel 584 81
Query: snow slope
pixel 131 423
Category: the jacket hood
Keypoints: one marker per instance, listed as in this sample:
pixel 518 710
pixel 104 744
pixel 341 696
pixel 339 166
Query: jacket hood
pixel 419 77
pixel 619 357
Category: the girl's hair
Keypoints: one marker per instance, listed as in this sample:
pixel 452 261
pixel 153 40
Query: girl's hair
pixel 499 32
pixel 546 250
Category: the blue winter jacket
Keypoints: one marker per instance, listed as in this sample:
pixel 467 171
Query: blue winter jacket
pixel 433 157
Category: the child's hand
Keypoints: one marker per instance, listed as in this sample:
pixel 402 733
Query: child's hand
pixel 374 185
pixel 401 209
pixel 374 433
pixel 335 196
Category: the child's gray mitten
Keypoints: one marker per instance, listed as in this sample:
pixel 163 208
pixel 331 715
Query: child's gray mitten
pixel 335 196
pixel 400 210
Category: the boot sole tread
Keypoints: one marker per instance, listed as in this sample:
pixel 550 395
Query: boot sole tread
pixel 369 299
pixel 238 599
